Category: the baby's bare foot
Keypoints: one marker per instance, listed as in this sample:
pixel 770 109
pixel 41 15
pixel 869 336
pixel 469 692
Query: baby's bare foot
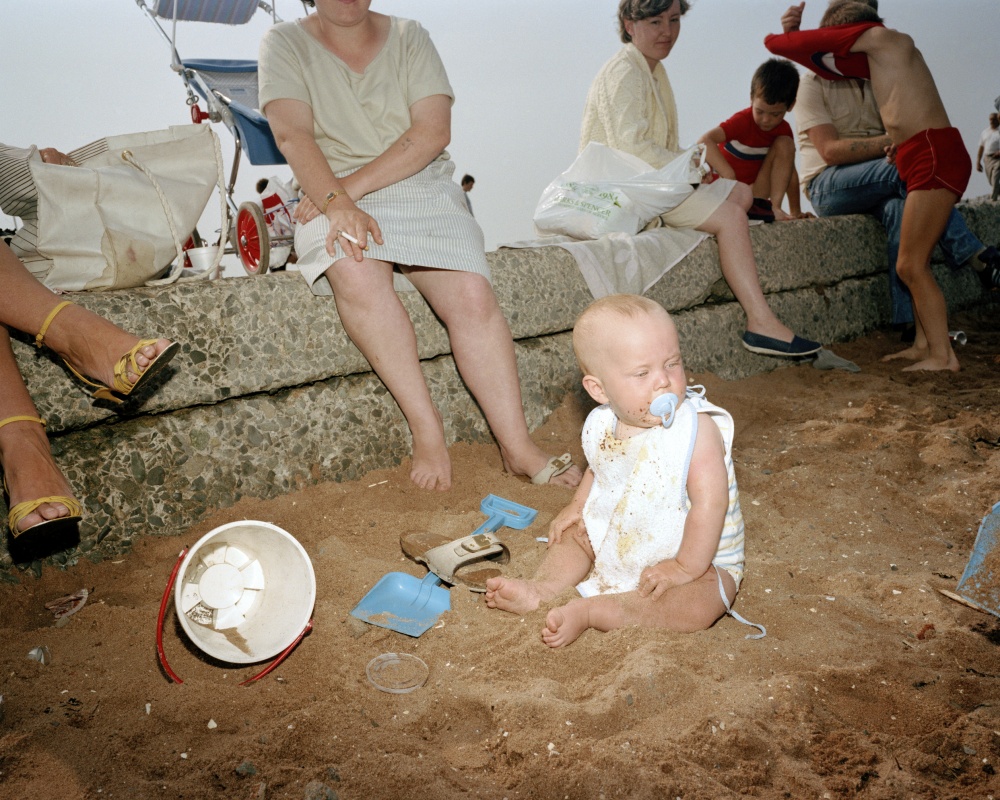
pixel 564 625
pixel 513 595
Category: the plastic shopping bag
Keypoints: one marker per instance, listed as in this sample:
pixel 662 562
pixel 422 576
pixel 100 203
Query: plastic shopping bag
pixel 608 191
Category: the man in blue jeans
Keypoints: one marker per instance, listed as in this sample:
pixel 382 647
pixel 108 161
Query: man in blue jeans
pixel 844 171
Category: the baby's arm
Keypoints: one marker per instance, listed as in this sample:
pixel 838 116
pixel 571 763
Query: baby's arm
pixel 573 513
pixel 708 490
pixel 714 156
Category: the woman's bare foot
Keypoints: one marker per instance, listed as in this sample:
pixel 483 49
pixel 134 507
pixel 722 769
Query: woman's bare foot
pixel 93 345
pixel 32 473
pixel 431 466
pixel 564 625
pixel 910 353
pixel 533 460
pixel 516 596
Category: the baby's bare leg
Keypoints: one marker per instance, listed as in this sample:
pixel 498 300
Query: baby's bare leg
pixel 565 564
pixel 692 607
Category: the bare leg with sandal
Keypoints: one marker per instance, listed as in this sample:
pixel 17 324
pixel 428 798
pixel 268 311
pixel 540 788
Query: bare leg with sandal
pixel 39 497
pixel 379 326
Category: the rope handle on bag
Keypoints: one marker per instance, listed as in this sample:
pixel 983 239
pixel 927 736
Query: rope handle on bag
pixel 129 158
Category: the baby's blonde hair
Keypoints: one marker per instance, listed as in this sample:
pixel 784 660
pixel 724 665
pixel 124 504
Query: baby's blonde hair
pixel 591 329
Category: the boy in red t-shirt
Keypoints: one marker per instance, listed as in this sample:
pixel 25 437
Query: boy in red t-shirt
pixel 757 142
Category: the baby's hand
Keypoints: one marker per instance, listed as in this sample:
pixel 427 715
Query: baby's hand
pixel 566 518
pixel 655 580
pixel 583 539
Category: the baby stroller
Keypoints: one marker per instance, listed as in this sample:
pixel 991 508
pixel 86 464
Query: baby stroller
pixel 229 90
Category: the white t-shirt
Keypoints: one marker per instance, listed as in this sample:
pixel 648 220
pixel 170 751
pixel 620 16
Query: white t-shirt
pixel 990 141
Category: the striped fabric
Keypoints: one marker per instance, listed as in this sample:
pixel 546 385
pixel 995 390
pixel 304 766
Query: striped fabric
pixel 226 12
pixel 19 198
pixel 424 223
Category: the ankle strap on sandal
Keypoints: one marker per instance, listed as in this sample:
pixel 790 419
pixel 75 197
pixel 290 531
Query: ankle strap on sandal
pixel 22 419
pixel 40 338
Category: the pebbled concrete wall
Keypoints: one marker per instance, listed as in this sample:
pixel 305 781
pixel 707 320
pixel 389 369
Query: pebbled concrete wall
pixel 269 395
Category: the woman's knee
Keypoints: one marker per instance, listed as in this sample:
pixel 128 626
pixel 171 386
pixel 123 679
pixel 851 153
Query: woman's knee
pixel 353 283
pixel 471 298
pixel 741 196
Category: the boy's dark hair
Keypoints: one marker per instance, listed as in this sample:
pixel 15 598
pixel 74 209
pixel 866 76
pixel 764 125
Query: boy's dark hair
pixel 843 12
pixel 776 81
pixel 635 10
pixel 467 179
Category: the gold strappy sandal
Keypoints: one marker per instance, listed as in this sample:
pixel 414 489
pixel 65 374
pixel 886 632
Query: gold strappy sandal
pixel 121 389
pixel 22 510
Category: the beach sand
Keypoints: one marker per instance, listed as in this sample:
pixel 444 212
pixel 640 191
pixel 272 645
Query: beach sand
pixel 862 495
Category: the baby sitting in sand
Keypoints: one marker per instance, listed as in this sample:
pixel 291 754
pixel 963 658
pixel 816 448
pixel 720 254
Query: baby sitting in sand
pixel 656 521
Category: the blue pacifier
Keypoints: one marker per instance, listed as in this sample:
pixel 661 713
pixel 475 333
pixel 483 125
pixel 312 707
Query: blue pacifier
pixel 664 407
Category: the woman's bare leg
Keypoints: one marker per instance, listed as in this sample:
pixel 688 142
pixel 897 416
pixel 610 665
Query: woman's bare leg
pixel 731 229
pixel 484 352
pixel 90 343
pixel 25 456
pixel 379 326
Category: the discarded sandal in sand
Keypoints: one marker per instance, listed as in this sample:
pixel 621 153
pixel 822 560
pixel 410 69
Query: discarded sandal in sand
pixel 121 388
pixel 445 557
pixel 554 466
pixel 25 509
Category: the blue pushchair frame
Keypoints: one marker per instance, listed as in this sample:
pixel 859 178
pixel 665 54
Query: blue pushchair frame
pixel 229 89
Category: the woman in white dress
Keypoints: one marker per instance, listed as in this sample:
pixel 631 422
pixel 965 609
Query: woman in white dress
pixel 360 106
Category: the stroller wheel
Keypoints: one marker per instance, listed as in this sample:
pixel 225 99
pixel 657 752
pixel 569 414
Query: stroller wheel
pixel 252 242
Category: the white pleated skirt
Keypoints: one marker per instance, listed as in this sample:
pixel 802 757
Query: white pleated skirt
pixel 424 222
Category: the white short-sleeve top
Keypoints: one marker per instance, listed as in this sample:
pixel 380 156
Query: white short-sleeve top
pixel 357 117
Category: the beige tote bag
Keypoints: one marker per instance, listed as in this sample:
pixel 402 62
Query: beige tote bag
pixel 120 217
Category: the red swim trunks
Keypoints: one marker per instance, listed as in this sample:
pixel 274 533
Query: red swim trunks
pixel 934 159
pixel 826 51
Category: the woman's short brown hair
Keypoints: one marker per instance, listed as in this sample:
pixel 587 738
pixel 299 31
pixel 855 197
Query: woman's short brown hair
pixel 635 10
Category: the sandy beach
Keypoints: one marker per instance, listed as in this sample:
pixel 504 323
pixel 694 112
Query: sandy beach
pixel 862 495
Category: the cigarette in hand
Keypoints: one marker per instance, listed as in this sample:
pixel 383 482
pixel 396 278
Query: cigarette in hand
pixel 351 239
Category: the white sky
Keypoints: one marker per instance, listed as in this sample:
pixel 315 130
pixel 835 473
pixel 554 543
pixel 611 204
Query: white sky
pixel 77 70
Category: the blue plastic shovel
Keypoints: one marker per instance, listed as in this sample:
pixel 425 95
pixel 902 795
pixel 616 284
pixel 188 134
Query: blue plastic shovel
pixel 980 583
pixel 406 604
pixel 504 513
pixel 403 603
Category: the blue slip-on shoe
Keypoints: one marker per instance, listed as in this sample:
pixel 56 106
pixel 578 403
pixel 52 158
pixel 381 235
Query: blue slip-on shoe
pixel 766 346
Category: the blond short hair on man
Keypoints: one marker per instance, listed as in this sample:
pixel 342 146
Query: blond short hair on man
pixel 843 12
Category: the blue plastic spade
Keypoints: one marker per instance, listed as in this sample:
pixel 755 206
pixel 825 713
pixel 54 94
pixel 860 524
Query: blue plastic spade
pixel 504 513
pixel 980 583
pixel 403 603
